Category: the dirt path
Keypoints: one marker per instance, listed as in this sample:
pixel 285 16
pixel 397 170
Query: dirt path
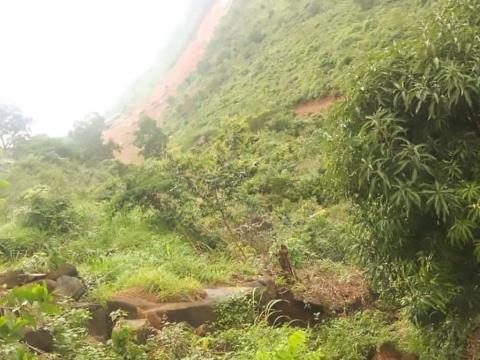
pixel 123 127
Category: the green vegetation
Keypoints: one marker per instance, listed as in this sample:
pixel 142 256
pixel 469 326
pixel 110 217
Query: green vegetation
pixel 150 139
pixel 410 124
pixel 385 183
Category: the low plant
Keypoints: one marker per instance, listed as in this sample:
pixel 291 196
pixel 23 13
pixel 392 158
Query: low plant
pixel 24 307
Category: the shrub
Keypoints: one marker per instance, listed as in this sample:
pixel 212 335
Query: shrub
pixel 408 154
pixel 45 213
pixel 150 139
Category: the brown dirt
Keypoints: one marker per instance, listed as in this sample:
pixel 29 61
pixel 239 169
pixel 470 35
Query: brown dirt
pixel 473 346
pixel 316 106
pixel 336 293
pixel 122 128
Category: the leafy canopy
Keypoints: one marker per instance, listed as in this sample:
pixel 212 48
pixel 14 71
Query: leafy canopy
pixel 408 153
pixel 150 139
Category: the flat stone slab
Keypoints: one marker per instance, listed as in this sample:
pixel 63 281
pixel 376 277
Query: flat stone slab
pixel 132 305
pixel 194 313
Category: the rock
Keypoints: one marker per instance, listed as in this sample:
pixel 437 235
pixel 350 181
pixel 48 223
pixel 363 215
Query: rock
pixel 40 339
pixel 63 270
pixel 193 313
pixel 69 286
pixel 100 325
pixel 11 279
pixel 132 305
pixel 140 328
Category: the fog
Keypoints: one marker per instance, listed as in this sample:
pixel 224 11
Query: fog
pixel 62 59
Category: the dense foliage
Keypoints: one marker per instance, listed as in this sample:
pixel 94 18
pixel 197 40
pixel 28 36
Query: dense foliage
pixel 150 139
pixel 268 57
pixel 408 154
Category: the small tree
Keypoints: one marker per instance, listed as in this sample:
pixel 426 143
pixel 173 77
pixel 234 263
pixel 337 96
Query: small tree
pixel 87 136
pixel 150 139
pixel 13 126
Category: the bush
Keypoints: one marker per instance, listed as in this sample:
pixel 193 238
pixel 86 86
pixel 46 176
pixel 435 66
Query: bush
pixel 150 139
pixel 52 215
pixel 408 154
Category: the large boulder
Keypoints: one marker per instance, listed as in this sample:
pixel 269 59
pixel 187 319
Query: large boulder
pixel 69 286
pixel 63 270
pixel 39 339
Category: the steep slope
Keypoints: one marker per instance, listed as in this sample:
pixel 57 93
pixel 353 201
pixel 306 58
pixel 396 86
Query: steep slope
pixel 122 127
pixel 274 56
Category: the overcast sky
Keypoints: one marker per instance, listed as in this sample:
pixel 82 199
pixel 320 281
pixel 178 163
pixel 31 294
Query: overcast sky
pixel 62 59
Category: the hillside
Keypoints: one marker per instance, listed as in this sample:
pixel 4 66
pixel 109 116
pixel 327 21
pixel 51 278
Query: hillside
pixel 154 103
pixel 309 190
pixel 272 58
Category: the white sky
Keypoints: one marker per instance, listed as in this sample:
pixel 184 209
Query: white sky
pixel 62 59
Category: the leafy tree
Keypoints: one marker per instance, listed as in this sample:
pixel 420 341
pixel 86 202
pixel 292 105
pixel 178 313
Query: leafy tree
pixel 87 137
pixel 13 126
pixel 408 155
pixel 150 139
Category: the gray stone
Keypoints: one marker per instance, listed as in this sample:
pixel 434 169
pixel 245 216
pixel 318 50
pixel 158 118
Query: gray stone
pixel 69 286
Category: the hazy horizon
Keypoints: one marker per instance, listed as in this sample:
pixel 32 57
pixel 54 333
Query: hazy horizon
pixel 65 59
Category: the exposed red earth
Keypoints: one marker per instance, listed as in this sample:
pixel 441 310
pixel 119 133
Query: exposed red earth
pixel 121 129
pixel 315 106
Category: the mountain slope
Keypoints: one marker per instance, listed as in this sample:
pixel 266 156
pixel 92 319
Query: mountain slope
pixel 122 127
pixel 272 56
